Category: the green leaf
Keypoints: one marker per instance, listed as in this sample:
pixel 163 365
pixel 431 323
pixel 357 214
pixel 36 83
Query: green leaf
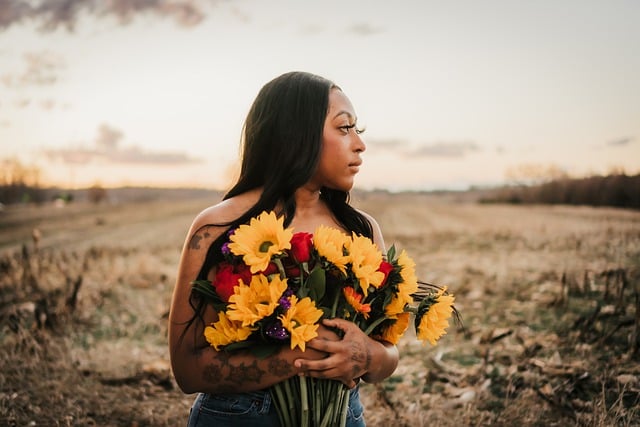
pixel 265 350
pixel 206 290
pixel 235 346
pixel 391 253
pixel 327 312
pixel 316 283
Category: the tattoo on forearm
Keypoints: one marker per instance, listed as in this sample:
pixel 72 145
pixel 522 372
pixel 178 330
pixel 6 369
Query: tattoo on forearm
pixel 367 365
pixel 280 367
pixel 360 356
pixel 243 373
pixel 212 374
pixel 357 356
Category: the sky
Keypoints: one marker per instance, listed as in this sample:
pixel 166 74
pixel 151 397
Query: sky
pixel 452 93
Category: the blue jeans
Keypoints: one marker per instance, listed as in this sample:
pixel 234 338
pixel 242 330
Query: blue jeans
pixel 254 409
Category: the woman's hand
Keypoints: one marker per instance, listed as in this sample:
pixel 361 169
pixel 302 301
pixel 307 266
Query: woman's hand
pixel 348 358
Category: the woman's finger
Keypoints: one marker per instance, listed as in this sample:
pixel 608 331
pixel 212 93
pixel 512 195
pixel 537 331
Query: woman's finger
pixel 324 345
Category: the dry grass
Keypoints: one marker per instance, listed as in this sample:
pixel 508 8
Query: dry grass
pixel 551 324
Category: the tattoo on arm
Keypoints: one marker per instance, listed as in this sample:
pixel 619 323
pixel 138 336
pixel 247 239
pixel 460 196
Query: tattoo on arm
pixel 357 356
pixel 244 374
pixel 213 375
pixel 360 356
pixel 280 367
pixel 200 235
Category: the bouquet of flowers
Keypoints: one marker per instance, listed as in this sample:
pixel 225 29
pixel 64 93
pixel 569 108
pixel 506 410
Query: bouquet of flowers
pixel 274 286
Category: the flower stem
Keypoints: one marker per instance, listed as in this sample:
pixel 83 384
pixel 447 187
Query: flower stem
pixel 291 400
pixel 328 415
pixel 373 325
pixel 278 263
pixel 344 406
pixel 282 411
pixel 334 308
pixel 304 421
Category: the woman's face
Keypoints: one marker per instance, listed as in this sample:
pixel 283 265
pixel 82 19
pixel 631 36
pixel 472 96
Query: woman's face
pixel 341 145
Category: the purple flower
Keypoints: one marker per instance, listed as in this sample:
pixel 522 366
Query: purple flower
pixel 284 301
pixel 277 331
pixel 225 248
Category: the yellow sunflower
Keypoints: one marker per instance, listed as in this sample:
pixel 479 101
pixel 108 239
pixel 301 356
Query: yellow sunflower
pixel 406 288
pixel 396 330
pixel 365 260
pixel 249 304
pixel 435 321
pixel 355 300
pixel 225 331
pixel 330 243
pixel 258 241
pixel 397 304
pixel 301 321
pixel 409 283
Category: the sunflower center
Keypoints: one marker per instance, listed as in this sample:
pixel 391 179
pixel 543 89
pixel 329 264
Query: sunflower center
pixel 264 246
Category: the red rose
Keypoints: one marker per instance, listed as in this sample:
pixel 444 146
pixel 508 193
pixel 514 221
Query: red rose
pixel 386 268
pixel 271 269
pixel 227 278
pixel 244 271
pixel 301 245
pixel 292 271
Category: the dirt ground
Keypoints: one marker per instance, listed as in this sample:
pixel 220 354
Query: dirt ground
pixel 549 298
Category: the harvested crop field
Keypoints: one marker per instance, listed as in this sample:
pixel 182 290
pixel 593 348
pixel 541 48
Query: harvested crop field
pixel 549 298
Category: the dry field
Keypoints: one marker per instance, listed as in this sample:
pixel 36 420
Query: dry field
pixel 549 299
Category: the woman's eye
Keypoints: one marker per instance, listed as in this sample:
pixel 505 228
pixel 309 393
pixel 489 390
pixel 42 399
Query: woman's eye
pixel 347 128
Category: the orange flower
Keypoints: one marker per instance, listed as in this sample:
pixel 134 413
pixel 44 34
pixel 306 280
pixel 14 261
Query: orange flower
pixel 355 300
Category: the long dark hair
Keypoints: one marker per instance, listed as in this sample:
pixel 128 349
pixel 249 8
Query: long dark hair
pixel 281 144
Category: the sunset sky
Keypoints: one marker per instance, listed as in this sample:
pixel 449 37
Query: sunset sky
pixel 452 93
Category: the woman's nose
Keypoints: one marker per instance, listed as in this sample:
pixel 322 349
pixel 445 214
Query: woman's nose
pixel 360 146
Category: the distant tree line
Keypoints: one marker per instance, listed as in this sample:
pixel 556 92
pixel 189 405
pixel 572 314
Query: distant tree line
pixel 618 190
pixel 20 183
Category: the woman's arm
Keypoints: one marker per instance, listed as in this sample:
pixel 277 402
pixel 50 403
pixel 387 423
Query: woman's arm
pixel 196 365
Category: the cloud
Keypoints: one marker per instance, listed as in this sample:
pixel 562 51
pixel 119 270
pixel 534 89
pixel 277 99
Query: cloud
pixel 40 69
pixel 240 15
pixel 311 29
pixel 48 104
pixel 364 29
pixel 108 138
pixel 52 14
pixel 107 149
pixel 457 149
pixel 22 103
pixel 443 149
pixel 386 144
pixel 620 142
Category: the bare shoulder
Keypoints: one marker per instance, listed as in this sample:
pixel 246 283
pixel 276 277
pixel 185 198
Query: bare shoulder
pixel 378 239
pixel 211 222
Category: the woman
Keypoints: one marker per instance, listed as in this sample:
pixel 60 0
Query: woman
pixel 301 152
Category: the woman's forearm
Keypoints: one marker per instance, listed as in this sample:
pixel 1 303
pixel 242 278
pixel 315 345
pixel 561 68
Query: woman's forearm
pixel 384 360
pixel 215 372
